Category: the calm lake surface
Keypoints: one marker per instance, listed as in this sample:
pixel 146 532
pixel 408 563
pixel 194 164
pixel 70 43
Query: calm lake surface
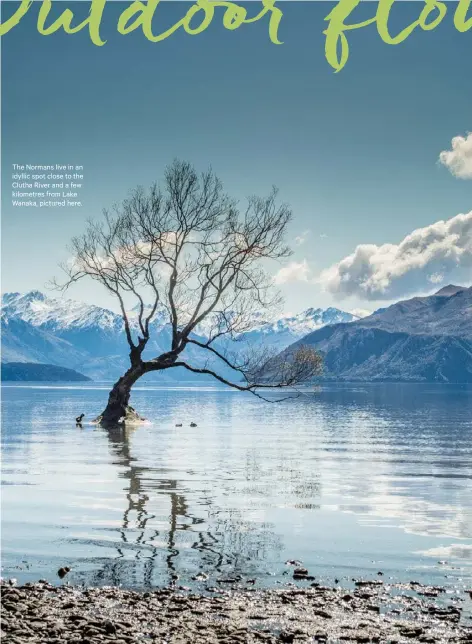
pixel 350 480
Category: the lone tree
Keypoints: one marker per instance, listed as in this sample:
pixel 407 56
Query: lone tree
pixel 187 251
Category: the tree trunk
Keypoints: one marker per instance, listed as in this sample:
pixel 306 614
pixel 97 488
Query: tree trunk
pixel 118 409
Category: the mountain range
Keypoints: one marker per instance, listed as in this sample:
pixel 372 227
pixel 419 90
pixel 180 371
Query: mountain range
pixel 91 339
pixel 423 339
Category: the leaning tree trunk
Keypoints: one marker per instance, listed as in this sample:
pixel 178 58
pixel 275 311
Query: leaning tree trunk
pixel 118 409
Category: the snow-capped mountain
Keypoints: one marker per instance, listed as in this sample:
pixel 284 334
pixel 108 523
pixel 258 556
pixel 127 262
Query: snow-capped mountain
pixel 57 330
pixel 60 314
pixel 282 331
pixel 304 322
pixel 57 313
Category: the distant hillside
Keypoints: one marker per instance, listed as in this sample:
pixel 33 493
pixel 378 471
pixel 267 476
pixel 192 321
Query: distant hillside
pixel 447 312
pixel 424 339
pixel 37 372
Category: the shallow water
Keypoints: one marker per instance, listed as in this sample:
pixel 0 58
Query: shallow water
pixel 351 480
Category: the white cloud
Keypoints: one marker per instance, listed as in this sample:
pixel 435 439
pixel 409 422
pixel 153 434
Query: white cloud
pixel 301 239
pixel 361 313
pixel 436 278
pixel 459 159
pixel 430 255
pixel 293 272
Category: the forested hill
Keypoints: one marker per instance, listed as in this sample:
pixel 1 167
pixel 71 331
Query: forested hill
pixel 34 372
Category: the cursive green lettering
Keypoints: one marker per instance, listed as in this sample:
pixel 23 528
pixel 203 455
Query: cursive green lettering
pixel 65 19
pixel 16 17
pixel 337 45
pixel 461 23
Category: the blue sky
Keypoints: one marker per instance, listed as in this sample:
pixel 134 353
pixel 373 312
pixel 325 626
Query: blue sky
pixel 354 153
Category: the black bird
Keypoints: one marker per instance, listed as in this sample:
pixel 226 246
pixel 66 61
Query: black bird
pixel 193 424
pixel 78 420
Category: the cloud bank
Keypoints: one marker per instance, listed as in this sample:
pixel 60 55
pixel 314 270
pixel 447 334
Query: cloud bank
pixel 459 159
pixel 424 259
pixel 293 272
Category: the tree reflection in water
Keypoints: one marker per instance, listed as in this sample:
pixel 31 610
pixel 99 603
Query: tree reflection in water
pixel 224 541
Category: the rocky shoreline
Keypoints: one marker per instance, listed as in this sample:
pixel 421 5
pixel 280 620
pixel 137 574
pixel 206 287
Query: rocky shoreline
pixel 371 612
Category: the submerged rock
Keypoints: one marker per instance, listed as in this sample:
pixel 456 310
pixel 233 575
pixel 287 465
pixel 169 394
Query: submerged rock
pixel 373 582
pixel 201 576
pixel 62 572
pixel 300 573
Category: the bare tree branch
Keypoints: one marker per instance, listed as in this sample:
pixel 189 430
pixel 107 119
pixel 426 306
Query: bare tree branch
pixel 191 254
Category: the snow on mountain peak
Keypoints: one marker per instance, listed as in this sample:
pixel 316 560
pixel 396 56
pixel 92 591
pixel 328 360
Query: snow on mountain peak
pixel 35 295
pixel 57 314
pixel 304 322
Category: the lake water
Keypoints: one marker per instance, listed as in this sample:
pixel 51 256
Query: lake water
pixel 350 480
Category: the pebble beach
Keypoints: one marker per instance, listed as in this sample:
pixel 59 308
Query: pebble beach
pixel 372 611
